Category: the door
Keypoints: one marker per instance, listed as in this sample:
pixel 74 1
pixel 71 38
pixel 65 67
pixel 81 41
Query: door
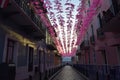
pixel 30 59
pixel 10 51
pixel 118 49
pixel 104 56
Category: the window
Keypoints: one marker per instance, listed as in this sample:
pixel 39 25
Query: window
pixel 89 2
pixel 94 56
pixel 92 38
pixel 118 49
pixel 92 29
pixel 10 51
pixel 104 56
pixel 87 36
pixel 30 62
pixel 89 57
pixel 115 4
pixel 100 21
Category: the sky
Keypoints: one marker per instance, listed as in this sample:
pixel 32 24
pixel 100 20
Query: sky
pixel 66 35
pixel 75 2
pixel 66 59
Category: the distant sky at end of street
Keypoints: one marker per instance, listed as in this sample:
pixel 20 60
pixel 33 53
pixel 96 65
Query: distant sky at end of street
pixel 66 58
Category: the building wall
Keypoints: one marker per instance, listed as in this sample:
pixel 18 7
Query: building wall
pixel 27 53
pixel 107 43
pixel 21 51
pixel 57 60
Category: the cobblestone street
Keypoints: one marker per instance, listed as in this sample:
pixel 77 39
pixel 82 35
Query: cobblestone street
pixel 68 73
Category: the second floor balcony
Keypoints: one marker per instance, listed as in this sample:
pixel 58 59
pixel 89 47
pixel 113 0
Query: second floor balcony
pixel 100 33
pixel 20 13
pixel 110 20
pixel 28 9
pixel 85 45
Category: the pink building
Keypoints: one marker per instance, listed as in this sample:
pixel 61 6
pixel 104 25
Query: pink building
pixel 101 44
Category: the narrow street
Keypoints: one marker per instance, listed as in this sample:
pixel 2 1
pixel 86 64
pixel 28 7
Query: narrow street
pixel 60 39
pixel 68 73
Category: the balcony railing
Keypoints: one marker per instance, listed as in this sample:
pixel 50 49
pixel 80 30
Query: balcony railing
pixel 99 72
pixel 92 40
pixel 112 11
pixel 107 16
pixel 100 33
pixel 85 45
pixel 116 6
pixel 110 19
pixel 25 6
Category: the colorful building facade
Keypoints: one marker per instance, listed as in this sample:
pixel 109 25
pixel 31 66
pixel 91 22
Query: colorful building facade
pixel 101 43
pixel 23 44
pixel 99 51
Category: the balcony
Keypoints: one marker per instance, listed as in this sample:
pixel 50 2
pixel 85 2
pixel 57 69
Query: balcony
pixel 92 40
pixel 100 33
pixel 25 6
pixel 51 47
pixel 22 16
pixel 111 18
pixel 84 45
pixel 78 53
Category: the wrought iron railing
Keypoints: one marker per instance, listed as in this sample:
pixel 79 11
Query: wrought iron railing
pixel 107 16
pixel 99 72
pixel 112 12
pixel 100 33
pixel 25 6
pixel 85 44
